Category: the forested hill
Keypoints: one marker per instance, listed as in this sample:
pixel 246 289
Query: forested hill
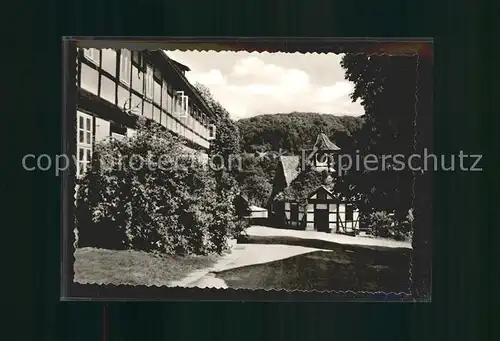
pixel 295 131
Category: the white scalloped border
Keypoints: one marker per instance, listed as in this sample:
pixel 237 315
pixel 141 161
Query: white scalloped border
pixel 100 44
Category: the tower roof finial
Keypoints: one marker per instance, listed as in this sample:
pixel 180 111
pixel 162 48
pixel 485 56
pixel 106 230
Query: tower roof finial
pixel 324 143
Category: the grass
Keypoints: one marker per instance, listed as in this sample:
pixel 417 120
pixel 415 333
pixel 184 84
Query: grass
pixel 343 267
pixel 134 267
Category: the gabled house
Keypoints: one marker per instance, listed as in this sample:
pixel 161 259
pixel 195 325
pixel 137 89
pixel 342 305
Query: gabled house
pixel 303 194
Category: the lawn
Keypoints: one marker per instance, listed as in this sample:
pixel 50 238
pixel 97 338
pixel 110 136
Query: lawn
pixel 343 267
pixel 134 267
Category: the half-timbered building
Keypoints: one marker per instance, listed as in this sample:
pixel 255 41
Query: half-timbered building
pixel 294 205
pixel 115 87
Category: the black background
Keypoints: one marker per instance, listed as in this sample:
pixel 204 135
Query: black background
pixel 463 277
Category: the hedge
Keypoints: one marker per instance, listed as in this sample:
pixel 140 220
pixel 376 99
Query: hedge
pixel 172 204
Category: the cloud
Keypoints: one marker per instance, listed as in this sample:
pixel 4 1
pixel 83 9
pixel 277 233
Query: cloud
pixel 212 77
pixel 249 84
pixel 334 92
pixel 254 76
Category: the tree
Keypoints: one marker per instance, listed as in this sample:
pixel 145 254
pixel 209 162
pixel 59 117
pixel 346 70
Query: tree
pixel 386 87
pixel 227 146
pixel 294 131
pixel 396 123
pixel 255 178
pixel 227 137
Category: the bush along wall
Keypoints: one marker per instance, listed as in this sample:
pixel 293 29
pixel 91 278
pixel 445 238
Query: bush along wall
pixel 145 193
pixel 384 224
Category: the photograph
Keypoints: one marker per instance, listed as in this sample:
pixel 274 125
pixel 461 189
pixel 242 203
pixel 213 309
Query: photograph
pixel 252 168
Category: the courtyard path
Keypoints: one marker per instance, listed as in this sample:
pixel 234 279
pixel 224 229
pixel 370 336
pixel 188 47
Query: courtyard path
pixel 263 231
pixel 252 254
pixel 241 255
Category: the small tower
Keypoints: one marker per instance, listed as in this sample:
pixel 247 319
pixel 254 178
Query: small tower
pixel 323 153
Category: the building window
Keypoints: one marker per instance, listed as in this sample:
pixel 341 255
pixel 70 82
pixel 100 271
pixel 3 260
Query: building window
pixel 149 82
pixel 164 102
pixel 148 109
pixel 157 74
pixel 198 122
pixel 175 107
pixel 185 106
pixel 89 79
pixel 182 104
pixel 125 66
pixel 109 61
pixel 211 132
pixel 92 55
pixel 84 142
pixel 191 118
pixel 157 92
pixel 123 98
pixel 187 121
pixel 108 90
pixel 203 129
pixel 156 113
pixel 137 58
pixel 170 100
pixel 196 127
pixel 137 80
pixel 169 122
pixel 163 121
pixel 136 105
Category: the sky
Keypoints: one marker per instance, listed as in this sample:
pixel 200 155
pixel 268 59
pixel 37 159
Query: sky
pixel 250 84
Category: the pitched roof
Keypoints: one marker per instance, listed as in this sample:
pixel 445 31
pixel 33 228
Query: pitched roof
pixel 181 66
pixel 322 187
pixel 176 67
pixel 254 208
pixel 324 143
pixel 290 166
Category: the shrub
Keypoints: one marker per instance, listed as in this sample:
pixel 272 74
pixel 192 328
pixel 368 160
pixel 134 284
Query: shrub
pixel 172 204
pixel 404 228
pixel 228 192
pixel 385 225
pixel 379 223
